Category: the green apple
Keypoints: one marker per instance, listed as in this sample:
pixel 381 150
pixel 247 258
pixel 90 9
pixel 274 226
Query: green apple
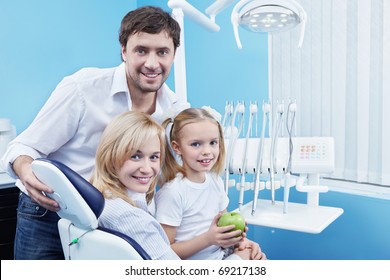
pixel 232 218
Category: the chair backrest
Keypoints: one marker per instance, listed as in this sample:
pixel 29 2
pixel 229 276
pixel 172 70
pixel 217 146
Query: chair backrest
pixel 81 205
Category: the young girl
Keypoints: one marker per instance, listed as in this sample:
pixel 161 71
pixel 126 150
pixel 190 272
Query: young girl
pixel 192 197
pixel 128 162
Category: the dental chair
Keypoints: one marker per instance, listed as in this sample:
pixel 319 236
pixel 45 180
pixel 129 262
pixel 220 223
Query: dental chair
pixel 81 205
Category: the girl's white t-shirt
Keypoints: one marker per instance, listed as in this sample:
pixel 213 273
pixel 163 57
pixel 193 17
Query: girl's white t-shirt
pixel 191 207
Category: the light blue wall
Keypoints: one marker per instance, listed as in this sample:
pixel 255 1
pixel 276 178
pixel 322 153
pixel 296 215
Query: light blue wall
pixel 44 40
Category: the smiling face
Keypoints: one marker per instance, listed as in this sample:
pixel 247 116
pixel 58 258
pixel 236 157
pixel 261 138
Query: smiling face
pixel 198 146
pixel 138 172
pixel 148 59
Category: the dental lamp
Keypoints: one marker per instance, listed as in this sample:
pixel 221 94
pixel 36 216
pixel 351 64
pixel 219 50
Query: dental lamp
pixel 268 16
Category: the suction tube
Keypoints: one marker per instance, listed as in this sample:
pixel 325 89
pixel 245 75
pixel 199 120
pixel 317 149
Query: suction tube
pixel 280 109
pixel 252 110
pixel 227 133
pixel 227 115
pixel 291 110
pixel 234 134
pixel 266 109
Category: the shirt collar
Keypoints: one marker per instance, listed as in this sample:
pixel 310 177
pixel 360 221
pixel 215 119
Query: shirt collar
pixel 135 195
pixel 165 96
pixel 119 83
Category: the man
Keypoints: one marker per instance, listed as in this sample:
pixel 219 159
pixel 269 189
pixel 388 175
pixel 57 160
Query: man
pixel 69 125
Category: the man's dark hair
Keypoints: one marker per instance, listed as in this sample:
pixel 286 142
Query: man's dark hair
pixel 150 20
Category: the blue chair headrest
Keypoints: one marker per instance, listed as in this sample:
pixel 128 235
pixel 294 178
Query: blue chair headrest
pixel 92 196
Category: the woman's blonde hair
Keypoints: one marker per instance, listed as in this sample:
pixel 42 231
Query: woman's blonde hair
pixel 121 139
pixel 174 127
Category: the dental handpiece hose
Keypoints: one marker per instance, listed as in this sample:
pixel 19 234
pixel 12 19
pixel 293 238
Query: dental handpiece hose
pixel 291 110
pixel 240 108
pixel 242 185
pixel 286 192
pixel 252 110
pixel 280 109
pixel 266 109
pixel 242 189
pixel 256 193
pixel 230 148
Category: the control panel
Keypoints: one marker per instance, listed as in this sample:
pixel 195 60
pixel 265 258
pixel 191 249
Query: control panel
pixel 308 155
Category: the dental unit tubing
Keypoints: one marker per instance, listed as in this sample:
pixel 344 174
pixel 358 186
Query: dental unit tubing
pixel 194 14
pixel 229 108
pixel 274 145
pixel 257 168
pixel 233 133
pixel 290 124
pixel 287 182
pixel 253 111
pixel 239 110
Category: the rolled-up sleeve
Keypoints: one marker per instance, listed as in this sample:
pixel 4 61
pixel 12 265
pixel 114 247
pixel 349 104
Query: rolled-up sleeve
pixel 54 125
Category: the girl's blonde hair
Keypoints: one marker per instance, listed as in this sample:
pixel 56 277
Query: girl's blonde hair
pixel 188 116
pixel 121 139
